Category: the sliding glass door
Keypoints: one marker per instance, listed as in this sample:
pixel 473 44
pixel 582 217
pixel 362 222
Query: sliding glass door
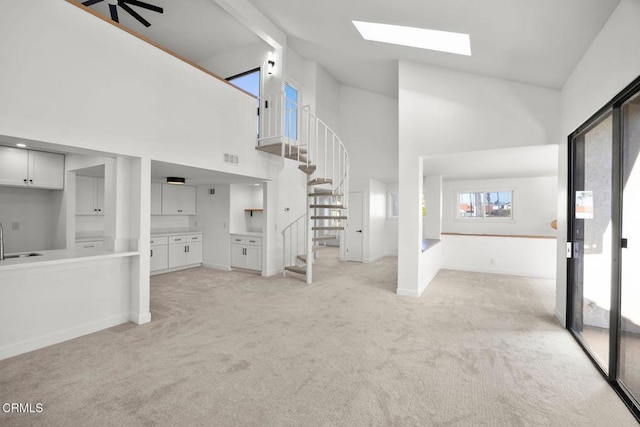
pixel 592 225
pixel 604 238
pixel 629 372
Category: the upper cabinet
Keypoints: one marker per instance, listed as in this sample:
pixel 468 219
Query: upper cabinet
pixel 178 200
pixel 89 195
pixel 28 168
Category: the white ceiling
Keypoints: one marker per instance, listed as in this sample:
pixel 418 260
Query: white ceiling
pixel 532 41
pixel 196 176
pixel 520 162
pixel 195 29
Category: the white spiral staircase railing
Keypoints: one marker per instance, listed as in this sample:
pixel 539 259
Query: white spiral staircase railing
pixel 293 132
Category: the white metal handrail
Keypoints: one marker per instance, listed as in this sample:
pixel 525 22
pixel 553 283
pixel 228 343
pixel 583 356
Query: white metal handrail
pixel 310 141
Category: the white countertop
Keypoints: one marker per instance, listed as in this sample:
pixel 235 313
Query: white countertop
pixel 173 232
pixel 61 256
pixel 248 233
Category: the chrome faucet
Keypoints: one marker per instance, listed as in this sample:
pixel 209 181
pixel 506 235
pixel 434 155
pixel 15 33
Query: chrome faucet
pixel 1 243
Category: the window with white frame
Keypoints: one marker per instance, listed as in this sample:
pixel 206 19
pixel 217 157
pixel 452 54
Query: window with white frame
pixel 393 205
pixel 484 204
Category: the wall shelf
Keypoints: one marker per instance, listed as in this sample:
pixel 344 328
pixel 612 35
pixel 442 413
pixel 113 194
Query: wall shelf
pixel 251 211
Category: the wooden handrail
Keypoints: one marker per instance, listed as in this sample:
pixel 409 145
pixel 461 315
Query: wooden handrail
pixel 516 236
pixel 156 45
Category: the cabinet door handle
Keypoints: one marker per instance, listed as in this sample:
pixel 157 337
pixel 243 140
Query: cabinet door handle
pixel 185 249
pixel 188 249
pixel 151 252
pixel 25 181
pixel 30 180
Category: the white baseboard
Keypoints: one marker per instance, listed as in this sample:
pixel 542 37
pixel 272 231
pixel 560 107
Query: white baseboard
pixel 140 319
pixel 560 318
pixel 270 273
pixel 494 271
pixel 61 336
pixel 409 292
pixel 217 266
pixel 171 270
pixel 378 258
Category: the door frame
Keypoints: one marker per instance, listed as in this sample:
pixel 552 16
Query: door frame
pixel 362 222
pixel 615 106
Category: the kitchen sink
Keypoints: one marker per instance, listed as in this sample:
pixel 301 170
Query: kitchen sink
pixel 30 254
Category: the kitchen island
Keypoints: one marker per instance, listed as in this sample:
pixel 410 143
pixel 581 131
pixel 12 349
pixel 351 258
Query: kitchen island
pixel 62 294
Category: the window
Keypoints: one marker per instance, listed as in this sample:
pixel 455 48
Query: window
pixel 290 111
pixel 393 205
pixel 485 204
pixel 249 81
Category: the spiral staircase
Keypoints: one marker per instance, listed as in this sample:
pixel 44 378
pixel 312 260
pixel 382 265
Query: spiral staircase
pixel 292 132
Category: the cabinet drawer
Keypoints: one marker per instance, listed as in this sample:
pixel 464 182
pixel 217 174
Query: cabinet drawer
pixel 89 245
pixel 157 241
pixel 177 239
pixel 245 240
pixel 194 238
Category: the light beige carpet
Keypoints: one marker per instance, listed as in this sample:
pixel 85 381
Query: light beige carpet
pixel 232 348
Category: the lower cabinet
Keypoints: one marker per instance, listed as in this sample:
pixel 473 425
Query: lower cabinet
pixel 159 254
pixel 246 252
pixel 168 252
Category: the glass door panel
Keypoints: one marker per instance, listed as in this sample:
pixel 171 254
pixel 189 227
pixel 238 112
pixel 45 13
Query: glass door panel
pixel 629 368
pixel 592 238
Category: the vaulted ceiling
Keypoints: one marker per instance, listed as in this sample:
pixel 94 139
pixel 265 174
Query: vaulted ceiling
pixel 537 42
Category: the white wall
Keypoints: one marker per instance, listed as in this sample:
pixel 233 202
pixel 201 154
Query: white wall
pixel 33 212
pixel 446 111
pixel 610 64
pixel 328 100
pixel 238 61
pixel 213 220
pixel 534 206
pixel 243 197
pixel 369 130
pixel 432 222
pixel 72 79
pixel 532 257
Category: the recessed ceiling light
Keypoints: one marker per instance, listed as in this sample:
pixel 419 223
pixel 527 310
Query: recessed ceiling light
pixel 21 145
pixel 422 38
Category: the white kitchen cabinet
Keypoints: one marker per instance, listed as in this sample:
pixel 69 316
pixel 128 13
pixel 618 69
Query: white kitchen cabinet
pixel 28 168
pixel 178 199
pixel 156 198
pixel 185 250
pixel 89 195
pixel 159 253
pixel 246 252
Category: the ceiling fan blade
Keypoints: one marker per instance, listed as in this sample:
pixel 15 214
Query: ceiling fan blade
pixel 144 5
pixel 114 12
pixel 133 13
pixel 91 2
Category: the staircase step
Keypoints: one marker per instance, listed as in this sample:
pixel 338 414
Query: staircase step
pixel 320 181
pixel 325 193
pixel 319 238
pixel 328 217
pixel 290 151
pixel 317 248
pixel 302 258
pixel 327 207
pixel 308 169
pixel 296 269
pixel 327 228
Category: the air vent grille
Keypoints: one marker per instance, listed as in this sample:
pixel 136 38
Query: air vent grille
pixel 232 159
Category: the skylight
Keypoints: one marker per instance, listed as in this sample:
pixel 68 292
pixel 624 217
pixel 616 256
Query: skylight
pixel 422 38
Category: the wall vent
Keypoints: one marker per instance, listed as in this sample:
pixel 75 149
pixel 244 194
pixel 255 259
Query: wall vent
pixel 232 159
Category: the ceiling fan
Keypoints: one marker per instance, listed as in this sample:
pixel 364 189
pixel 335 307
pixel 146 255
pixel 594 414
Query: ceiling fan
pixel 124 4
